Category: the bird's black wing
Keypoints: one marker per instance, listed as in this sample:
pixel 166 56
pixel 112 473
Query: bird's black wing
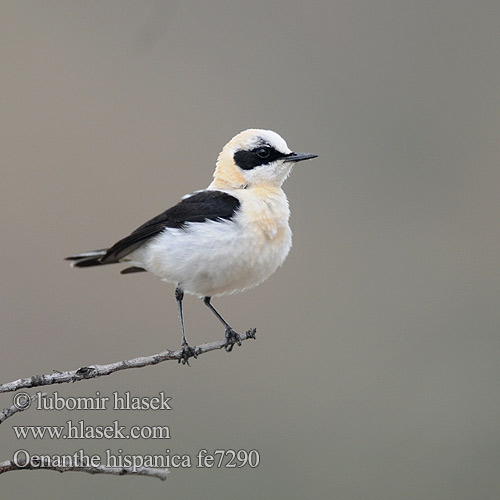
pixel 199 207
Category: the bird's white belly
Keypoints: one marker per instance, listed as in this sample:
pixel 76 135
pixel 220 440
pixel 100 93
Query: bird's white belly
pixel 215 257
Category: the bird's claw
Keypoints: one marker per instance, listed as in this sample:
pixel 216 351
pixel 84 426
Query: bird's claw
pixel 231 338
pixel 187 352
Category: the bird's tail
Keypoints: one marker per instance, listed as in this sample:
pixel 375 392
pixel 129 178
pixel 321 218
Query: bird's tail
pixel 87 259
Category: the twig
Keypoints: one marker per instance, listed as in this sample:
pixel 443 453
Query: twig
pixel 10 465
pixel 94 371
pixel 19 405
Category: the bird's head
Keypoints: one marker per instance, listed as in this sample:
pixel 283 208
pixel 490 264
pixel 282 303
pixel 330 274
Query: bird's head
pixel 255 157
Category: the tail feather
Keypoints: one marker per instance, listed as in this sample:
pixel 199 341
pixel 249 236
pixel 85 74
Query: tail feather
pixel 87 259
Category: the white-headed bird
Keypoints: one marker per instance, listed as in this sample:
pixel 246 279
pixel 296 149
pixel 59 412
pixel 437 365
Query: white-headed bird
pixel 226 238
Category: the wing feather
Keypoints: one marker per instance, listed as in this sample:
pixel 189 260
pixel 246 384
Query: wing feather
pixel 199 207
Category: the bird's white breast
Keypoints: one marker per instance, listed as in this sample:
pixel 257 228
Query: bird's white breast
pixel 224 256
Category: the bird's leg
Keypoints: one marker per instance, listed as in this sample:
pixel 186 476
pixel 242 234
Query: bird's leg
pixel 187 350
pixel 231 336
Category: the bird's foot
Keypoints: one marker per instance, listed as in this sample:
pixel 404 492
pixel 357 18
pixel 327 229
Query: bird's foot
pixel 187 352
pixel 231 338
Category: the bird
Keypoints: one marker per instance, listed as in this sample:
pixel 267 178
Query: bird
pixel 224 239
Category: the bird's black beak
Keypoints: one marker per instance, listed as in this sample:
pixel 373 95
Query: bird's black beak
pixel 300 157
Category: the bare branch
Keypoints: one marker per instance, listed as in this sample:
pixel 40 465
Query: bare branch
pixel 19 405
pixel 10 465
pixel 22 401
pixel 94 371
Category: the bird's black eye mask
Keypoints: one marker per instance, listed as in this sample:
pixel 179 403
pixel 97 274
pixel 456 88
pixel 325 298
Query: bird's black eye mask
pixel 261 155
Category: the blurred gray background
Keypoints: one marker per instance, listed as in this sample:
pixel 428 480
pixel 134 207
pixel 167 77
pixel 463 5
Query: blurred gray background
pixel 375 374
